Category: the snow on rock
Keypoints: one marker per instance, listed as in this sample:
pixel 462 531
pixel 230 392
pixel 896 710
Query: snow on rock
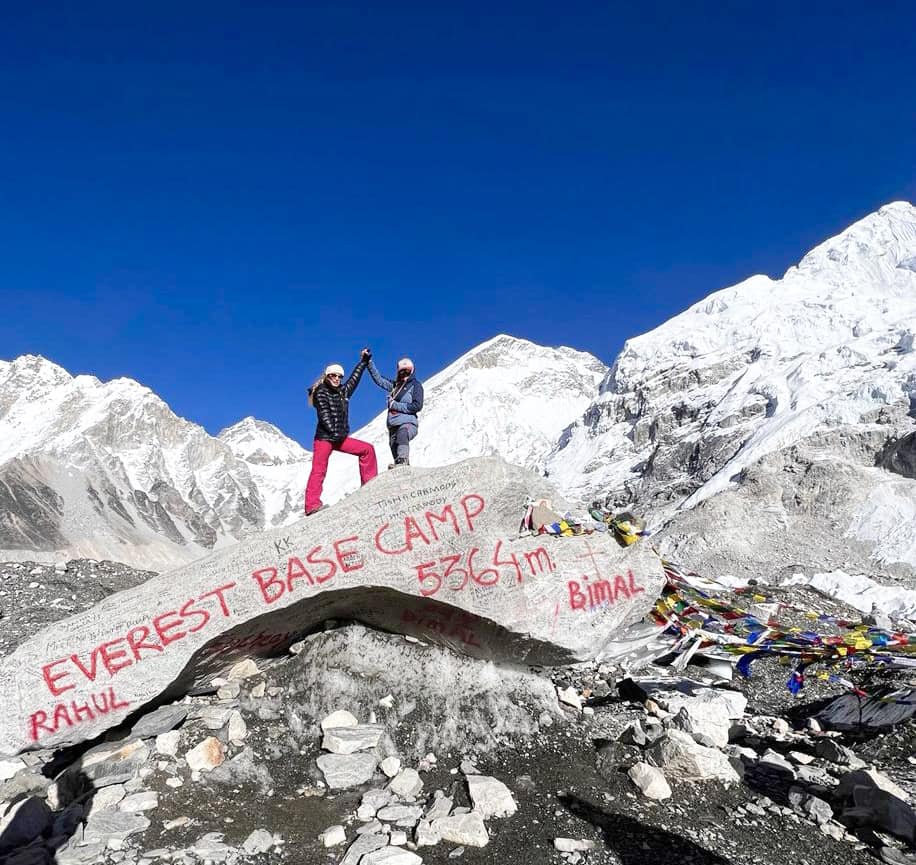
pixel 767 428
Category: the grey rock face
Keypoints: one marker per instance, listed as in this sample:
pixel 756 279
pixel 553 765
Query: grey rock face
pixel 349 740
pixel 491 798
pixel 30 510
pixel 682 759
pixel 159 721
pixel 467 829
pixel 432 553
pixel 342 771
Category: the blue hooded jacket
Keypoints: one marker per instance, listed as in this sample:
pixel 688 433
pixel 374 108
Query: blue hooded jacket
pixel 406 398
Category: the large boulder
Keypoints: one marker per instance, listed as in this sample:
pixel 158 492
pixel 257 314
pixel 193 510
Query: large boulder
pixel 433 553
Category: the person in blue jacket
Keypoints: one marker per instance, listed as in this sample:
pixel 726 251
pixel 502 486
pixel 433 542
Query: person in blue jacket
pixel 405 400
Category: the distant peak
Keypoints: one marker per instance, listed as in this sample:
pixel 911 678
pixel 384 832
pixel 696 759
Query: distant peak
pixel 877 243
pixel 249 424
pixel 37 368
pixel 261 443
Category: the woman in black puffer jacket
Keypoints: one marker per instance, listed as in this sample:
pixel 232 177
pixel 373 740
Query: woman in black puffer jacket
pixel 331 400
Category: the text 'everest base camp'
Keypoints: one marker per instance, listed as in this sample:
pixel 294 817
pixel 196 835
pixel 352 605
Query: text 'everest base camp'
pixel 662 611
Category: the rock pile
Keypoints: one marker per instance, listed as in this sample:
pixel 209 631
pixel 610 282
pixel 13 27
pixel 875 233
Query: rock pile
pixel 399 815
pixel 694 733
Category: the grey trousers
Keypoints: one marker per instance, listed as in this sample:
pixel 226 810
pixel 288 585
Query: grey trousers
pixel 399 440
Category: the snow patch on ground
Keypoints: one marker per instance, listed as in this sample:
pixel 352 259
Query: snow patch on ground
pixel 860 592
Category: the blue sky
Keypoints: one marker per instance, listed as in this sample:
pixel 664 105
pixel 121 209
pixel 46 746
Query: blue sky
pixel 219 199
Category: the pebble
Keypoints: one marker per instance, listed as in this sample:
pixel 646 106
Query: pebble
pixel 340 718
pixel 260 840
pixel 407 784
pixel 206 755
pixel 333 836
pixel 573 845
pixel 390 766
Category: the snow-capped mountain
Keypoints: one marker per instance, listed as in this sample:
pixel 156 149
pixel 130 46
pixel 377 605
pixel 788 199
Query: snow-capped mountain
pixel 775 418
pixel 107 470
pixel 770 427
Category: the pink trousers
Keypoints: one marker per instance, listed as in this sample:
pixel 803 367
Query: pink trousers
pixel 321 453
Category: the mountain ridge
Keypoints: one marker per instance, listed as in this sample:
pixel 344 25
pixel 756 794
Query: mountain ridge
pixel 107 470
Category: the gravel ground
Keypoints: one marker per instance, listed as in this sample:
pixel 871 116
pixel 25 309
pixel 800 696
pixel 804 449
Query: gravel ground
pixel 569 780
pixel 33 596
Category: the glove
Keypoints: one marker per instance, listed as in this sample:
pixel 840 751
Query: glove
pixel 366 354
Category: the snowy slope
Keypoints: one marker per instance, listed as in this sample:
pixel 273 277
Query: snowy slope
pixel 107 470
pixel 810 375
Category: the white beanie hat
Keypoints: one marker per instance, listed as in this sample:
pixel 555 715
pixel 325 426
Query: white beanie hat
pixel 405 363
pixel 334 367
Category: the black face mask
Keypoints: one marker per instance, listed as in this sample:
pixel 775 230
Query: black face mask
pixel 404 373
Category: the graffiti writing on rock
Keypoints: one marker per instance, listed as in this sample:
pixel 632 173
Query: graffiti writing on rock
pixel 112 656
pixel 445 623
pixel 317 568
pixel 429 527
pixel 586 595
pixel 66 714
pixel 456 572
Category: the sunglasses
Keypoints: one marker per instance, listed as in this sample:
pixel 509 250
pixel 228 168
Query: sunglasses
pixel 334 375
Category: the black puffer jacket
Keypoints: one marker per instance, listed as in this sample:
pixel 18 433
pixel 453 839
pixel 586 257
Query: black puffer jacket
pixel 333 406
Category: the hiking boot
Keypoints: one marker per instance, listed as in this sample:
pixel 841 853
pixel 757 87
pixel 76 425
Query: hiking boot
pixel 315 511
